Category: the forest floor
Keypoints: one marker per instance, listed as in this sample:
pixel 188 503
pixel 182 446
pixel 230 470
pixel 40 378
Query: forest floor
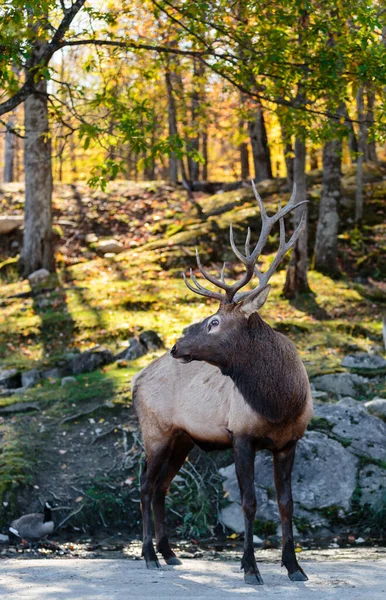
pixel 79 446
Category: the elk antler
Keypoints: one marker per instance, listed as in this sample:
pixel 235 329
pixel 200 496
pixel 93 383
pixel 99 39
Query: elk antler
pixel 250 258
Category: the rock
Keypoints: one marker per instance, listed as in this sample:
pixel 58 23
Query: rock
pixel 232 517
pixel 151 340
pixel 4 539
pixel 109 247
pixel 364 361
pixel 10 378
pixel 318 395
pixel 91 238
pixel 135 350
pixel 68 381
pixel 372 483
pixel 257 541
pixel 267 187
pixel 377 407
pixel 340 384
pixel 324 475
pixel 362 434
pixel 30 378
pixel 55 373
pixel 9 223
pixel 19 391
pixel 38 276
pixel 18 407
pixel 91 360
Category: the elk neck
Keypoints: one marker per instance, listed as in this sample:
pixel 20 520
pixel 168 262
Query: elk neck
pixel 259 368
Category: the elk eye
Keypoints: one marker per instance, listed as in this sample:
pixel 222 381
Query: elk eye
pixel 213 323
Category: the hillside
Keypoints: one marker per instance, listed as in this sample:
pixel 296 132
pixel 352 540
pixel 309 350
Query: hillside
pixel 72 436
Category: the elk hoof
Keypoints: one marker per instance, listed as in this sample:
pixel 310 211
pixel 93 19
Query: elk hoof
pixel 153 564
pixel 253 579
pixel 298 576
pixel 173 561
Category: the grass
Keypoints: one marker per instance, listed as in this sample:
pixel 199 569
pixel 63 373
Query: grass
pixel 106 302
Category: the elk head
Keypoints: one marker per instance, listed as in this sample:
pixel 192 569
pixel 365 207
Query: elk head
pixel 221 335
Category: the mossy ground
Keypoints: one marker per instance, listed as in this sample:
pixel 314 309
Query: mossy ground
pixel 104 301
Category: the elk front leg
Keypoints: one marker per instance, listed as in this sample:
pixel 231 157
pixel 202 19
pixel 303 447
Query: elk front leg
pixel 283 463
pixel 245 469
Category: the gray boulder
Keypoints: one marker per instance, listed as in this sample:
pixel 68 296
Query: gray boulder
pixel 324 475
pixel 109 247
pixel 135 350
pixel 232 517
pixel 151 340
pixel 18 407
pixel 363 434
pixel 38 276
pixel 9 223
pixel 372 483
pixel 377 407
pixel 340 384
pixel 55 373
pixel 91 360
pixel 365 361
pixel 10 378
pixel 30 378
pixel 68 381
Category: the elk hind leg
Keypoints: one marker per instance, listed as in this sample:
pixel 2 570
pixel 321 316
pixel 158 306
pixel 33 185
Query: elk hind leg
pixel 153 466
pixel 181 448
pixel 283 462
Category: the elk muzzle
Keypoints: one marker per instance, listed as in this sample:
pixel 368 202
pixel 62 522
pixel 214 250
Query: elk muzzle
pixel 180 354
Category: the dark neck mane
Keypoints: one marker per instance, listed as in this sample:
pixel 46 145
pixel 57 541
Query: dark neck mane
pixel 267 372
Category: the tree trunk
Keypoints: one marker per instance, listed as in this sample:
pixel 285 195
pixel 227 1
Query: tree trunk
pixel 194 166
pixel 205 153
pixel 289 163
pixel 361 151
pixel 370 147
pixel 296 276
pixel 9 152
pixel 260 149
pixel 244 161
pixel 173 167
pixel 326 245
pixel 74 170
pixel 288 154
pixel 37 245
pixel 313 159
pixel 243 147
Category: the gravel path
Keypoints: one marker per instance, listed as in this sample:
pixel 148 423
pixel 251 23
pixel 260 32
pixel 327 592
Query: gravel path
pixel 85 579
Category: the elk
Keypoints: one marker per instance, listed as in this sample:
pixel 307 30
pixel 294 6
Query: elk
pixel 231 381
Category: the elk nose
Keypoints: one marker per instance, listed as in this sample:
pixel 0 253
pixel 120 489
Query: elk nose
pixel 173 350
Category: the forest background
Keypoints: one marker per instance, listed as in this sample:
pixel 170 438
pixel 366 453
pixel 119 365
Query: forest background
pixel 141 125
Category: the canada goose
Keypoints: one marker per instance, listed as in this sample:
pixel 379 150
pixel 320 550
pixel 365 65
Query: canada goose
pixel 35 526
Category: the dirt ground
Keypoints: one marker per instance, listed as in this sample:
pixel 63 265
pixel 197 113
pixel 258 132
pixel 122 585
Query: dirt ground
pixel 347 575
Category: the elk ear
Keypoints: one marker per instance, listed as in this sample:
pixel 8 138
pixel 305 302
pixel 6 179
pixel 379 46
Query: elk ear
pixel 254 303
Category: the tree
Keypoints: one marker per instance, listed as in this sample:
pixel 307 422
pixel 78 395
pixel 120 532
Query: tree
pixel 259 143
pixel 9 150
pixel 326 245
pixel 296 277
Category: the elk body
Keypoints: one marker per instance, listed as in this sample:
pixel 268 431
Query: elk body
pixel 232 381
